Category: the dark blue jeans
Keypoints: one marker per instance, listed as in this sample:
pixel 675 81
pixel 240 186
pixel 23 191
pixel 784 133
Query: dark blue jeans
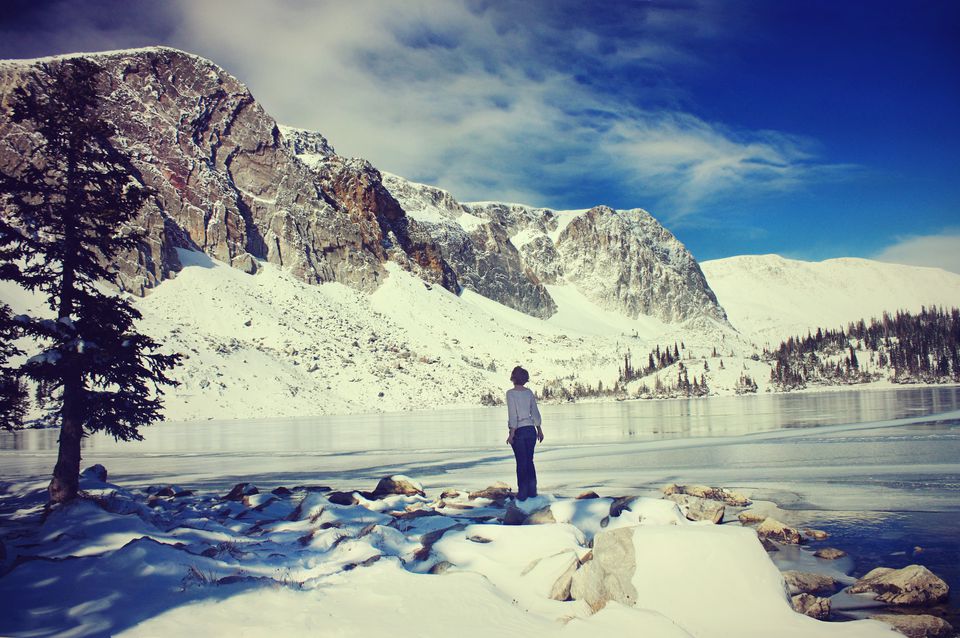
pixel 524 441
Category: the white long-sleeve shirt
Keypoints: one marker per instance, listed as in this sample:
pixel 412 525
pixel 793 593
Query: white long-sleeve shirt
pixel 521 408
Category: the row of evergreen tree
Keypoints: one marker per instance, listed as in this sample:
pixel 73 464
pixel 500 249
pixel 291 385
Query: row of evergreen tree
pixel 906 347
pixel 66 213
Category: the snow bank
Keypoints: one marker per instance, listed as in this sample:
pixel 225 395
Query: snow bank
pixel 303 561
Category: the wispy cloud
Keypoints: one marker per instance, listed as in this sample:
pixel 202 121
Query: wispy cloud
pixel 500 102
pixel 939 251
pixel 531 102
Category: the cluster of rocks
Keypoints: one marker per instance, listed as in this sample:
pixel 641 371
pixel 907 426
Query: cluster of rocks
pixel 398 512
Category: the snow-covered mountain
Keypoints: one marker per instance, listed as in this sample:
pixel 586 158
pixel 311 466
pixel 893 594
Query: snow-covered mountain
pixel 233 184
pixel 622 261
pixel 300 282
pixel 769 298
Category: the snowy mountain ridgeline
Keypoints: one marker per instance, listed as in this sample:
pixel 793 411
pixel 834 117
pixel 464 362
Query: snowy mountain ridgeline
pixel 297 281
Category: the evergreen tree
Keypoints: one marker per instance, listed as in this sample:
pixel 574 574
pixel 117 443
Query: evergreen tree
pixel 68 210
pixel 13 391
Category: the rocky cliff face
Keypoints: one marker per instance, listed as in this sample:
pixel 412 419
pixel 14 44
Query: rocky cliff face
pixel 477 248
pixel 227 181
pixel 624 261
pixel 627 261
pixel 230 182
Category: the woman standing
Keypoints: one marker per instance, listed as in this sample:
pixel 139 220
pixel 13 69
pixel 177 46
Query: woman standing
pixel 523 421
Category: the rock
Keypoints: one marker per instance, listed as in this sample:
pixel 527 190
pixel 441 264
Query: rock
pixel 449 494
pixel 816 534
pixel 542 516
pixel 240 490
pixel 95 472
pixel 561 588
pixel 698 509
pixel 917 626
pixel 439 567
pixel 772 529
pixel 609 574
pixel 812 606
pixel 751 517
pixel 167 490
pixel 619 504
pixel 829 553
pixel 588 495
pixel 710 493
pixel 514 516
pixel 809 583
pixel 498 492
pixel 281 491
pixel 342 498
pixel 476 538
pixel 397 484
pixel 318 489
pixel 912 585
pixel 248 264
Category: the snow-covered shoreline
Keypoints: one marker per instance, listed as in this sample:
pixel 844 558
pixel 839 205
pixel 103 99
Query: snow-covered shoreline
pixel 304 558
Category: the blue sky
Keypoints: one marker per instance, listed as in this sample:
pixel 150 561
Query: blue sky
pixel 811 129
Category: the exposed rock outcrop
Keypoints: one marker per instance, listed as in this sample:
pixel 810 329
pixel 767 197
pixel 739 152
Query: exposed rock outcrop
pixel 812 606
pixel 917 626
pixel 609 574
pixel 772 529
pixel 809 583
pixel 698 509
pixel 226 180
pixel 912 585
pixel 721 494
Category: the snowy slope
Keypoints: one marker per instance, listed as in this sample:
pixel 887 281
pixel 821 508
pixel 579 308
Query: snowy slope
pixel 769 298
pixel 270 345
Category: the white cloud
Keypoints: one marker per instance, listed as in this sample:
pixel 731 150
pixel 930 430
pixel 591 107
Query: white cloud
pixel 480 100
pixel 939 251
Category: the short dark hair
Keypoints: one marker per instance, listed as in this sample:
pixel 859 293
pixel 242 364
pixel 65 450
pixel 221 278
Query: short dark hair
pixel 519 376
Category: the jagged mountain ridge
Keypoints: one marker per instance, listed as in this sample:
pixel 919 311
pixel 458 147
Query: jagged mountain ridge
pixel 232 183
pixel 226 181
pixel 624 261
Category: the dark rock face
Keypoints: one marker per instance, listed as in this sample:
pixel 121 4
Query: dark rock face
pixel 477 248
pixel 228 183
pixel 627 261
pixel 623 261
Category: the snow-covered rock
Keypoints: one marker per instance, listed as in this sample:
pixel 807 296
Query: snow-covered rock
pixel 911 585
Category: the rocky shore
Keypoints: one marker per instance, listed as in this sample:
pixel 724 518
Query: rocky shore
pixel 706 559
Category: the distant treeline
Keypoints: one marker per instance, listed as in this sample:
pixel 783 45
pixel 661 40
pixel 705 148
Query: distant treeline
pixel 906 347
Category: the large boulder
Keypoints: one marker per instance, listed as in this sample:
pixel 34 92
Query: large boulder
pixel 773 530
pixel 542 516
pixel 609 574
pixel 698 509
pixel 812 606
pixel 808 583
pixel 917 626
pixel 498 493
pixel 721 494
pixel 96 473
pixel 397 484
pixel 240 490
pixel 912 585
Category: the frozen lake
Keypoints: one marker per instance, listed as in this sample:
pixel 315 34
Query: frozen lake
pixel 878 469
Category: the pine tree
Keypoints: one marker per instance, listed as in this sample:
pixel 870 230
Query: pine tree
pixel 13 391
pixel 69 210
